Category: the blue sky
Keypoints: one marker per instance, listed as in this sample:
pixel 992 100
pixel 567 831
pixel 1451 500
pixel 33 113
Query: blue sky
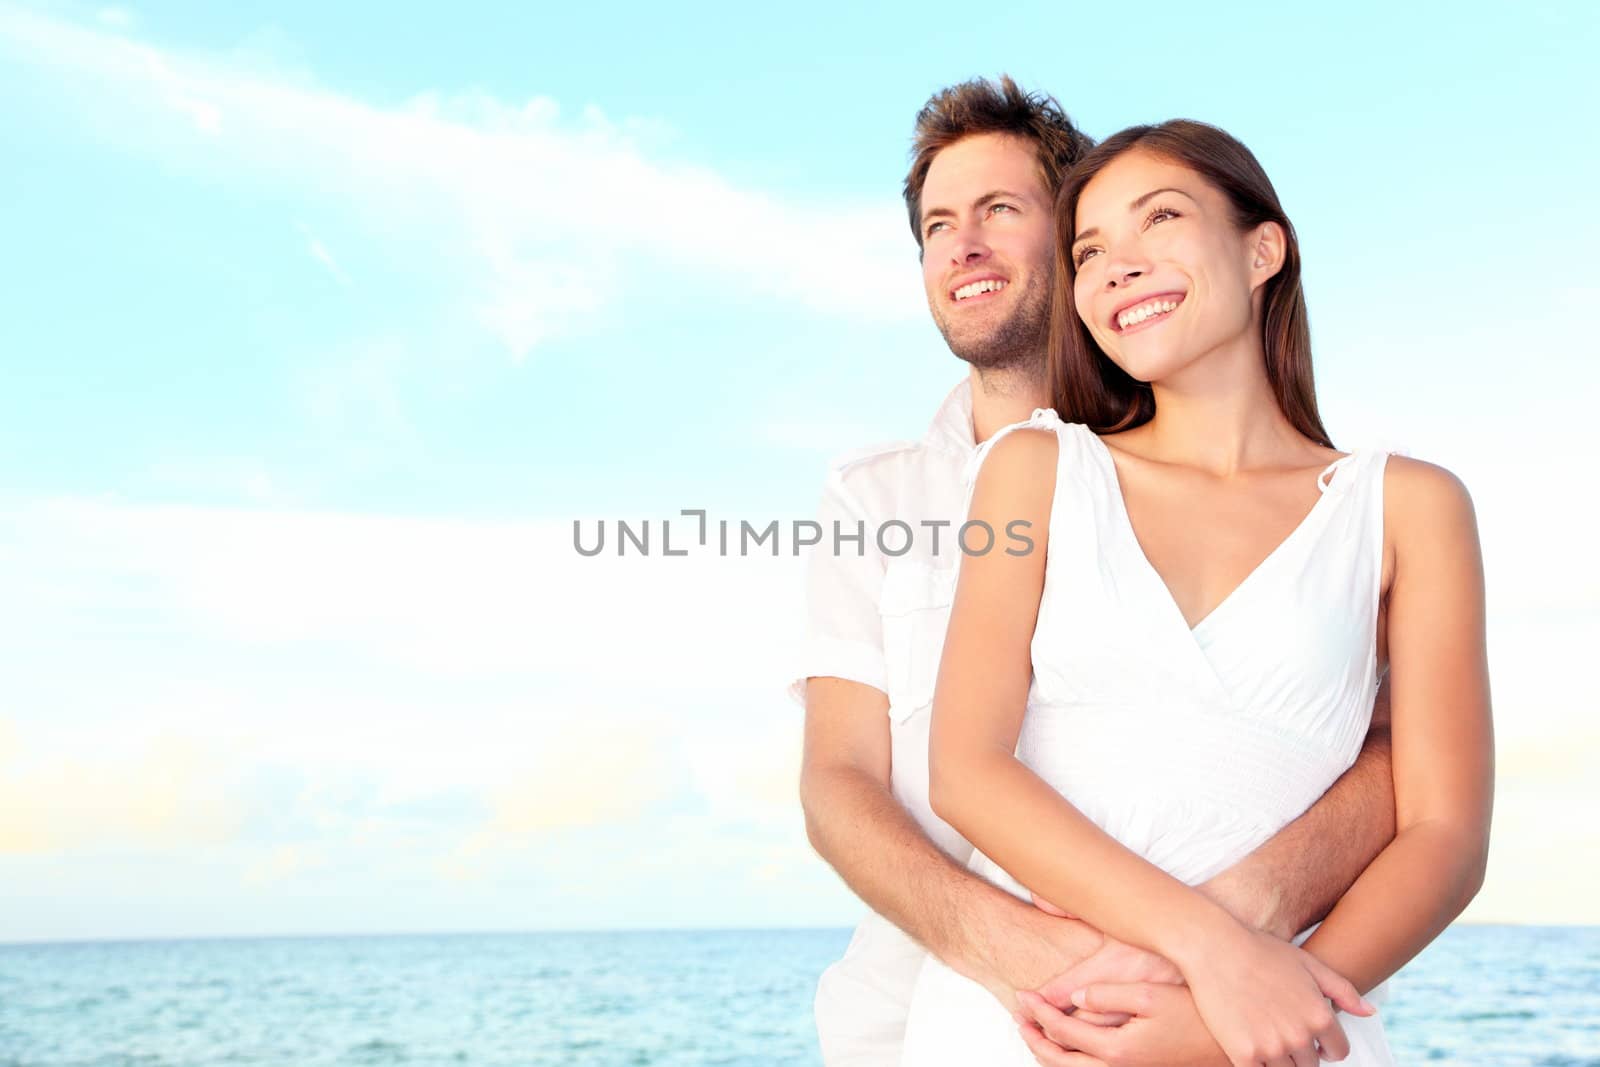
pixel 321 324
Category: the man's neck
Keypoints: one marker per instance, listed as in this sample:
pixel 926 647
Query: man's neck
pixel 1002 396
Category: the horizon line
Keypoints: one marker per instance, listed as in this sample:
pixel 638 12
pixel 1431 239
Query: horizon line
pixel 43 942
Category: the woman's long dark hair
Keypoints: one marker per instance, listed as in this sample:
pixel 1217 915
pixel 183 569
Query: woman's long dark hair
pixel 1085 385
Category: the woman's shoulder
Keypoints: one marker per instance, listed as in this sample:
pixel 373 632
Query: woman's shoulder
pixel 1411 477
pixel 1016 481
pixel 1021 452
pixel 1421 496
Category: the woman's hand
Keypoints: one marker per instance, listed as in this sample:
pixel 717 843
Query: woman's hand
pixel 1266 1001
pixel 1114 962
pixel 1163 1029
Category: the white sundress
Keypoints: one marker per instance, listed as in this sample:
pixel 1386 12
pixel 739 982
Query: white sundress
pixel 1191 747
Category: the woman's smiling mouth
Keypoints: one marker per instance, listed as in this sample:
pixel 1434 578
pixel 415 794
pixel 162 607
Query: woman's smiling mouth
pixel 1147 311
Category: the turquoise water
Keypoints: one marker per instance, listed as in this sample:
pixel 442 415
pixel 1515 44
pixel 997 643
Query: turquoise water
pixel 1503 996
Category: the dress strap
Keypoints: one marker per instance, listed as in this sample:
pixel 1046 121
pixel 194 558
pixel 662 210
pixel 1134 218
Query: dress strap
pixel 1351 460
pixel 1041 419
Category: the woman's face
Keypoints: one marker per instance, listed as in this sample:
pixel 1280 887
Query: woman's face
pixel 1163 274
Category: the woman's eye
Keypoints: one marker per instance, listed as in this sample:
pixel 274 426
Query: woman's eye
pixel 998 207
pixel 1161 214
pixel 1084 254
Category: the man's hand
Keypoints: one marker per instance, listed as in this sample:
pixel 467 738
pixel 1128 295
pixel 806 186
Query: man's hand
pixel 1163 1029
pixel 1026 948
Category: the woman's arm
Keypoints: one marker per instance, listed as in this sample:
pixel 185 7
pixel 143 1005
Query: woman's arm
pixel 1442 735
pixel 975 781
pixel 1261 997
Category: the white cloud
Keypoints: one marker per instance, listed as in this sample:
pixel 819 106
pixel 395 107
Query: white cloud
pixel 355 394
pixel 439 594
pixel 228 477
pixel 818 435
pixel 320 253
pixel 282 862
pixel 119 18
pixel 485 672
pixel 206 116
pixel 163 794
pixel 380 667
pixel 537 223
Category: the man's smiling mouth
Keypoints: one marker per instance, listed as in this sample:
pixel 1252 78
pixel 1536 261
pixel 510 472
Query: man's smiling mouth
pixel 981 287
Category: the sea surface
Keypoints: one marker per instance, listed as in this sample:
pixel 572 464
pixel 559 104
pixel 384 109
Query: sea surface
pixel 1480 995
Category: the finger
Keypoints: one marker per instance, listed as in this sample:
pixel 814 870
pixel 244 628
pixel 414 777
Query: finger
pixel 1338 989
pixel 1050 1054
pixel 1101 1018
pixel 1059 990
pixel 1305 1056
pixel 1334 1045
pixel 1065 1030
pixel 1049 908
pixel 1132 998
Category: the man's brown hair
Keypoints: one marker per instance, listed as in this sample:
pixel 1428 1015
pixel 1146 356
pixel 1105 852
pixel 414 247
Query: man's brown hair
pixel 982 106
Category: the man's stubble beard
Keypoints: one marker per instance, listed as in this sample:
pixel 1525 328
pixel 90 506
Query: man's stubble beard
pixel 1015 343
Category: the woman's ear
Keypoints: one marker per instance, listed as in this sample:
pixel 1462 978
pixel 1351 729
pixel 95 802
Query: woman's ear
pixel 1268 246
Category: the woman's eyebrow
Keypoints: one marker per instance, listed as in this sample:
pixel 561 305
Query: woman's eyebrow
pixel 1135 206
pixel 1152 194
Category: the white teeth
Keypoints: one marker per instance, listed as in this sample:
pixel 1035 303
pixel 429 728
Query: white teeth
pixel 988 285
pixel 1135 315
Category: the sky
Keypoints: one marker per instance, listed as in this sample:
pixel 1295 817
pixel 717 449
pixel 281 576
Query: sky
pixel 320 325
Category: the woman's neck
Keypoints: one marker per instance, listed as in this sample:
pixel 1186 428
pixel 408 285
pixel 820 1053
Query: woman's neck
pixel 1220 414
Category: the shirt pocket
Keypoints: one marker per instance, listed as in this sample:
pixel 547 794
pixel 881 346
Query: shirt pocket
pixel 915 605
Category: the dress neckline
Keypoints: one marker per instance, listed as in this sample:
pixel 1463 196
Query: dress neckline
pixel 1131 537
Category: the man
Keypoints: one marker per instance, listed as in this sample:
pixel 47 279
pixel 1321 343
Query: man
pixel 988 160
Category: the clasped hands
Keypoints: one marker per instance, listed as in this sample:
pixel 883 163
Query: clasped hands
pixel 1124 1006
pixel 1120 1005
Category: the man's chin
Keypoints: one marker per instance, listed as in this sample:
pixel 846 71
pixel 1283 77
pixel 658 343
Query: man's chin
pixel 1016 341
pixel 989 361
pixel 993 354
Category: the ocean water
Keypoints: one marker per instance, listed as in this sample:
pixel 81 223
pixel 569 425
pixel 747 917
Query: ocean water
pixel 1502 996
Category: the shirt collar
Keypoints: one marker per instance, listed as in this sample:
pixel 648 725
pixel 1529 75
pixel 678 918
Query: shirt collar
pixel 952 426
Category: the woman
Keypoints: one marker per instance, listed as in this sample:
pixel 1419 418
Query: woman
pixel 1192 658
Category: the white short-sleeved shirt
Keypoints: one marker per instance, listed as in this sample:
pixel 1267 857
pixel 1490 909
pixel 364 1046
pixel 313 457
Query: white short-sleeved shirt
pixel 878 616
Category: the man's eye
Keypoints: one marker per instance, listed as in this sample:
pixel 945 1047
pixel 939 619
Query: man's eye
pixel 933 228
pixel 997 207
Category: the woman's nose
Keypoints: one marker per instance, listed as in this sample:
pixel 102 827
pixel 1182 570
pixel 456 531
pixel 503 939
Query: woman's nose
pixel 1122 276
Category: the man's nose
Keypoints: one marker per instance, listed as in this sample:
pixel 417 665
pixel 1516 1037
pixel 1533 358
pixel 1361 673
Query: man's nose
pixel 970 252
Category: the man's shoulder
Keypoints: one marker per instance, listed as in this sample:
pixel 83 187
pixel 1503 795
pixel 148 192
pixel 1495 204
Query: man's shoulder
pixel 894 454
pixel 865 456
pixel 878 475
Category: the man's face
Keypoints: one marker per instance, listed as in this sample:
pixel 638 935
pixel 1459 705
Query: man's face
pixel 988 254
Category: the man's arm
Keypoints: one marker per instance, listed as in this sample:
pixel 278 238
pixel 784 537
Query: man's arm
pixel 856 824
pixel 1297 876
